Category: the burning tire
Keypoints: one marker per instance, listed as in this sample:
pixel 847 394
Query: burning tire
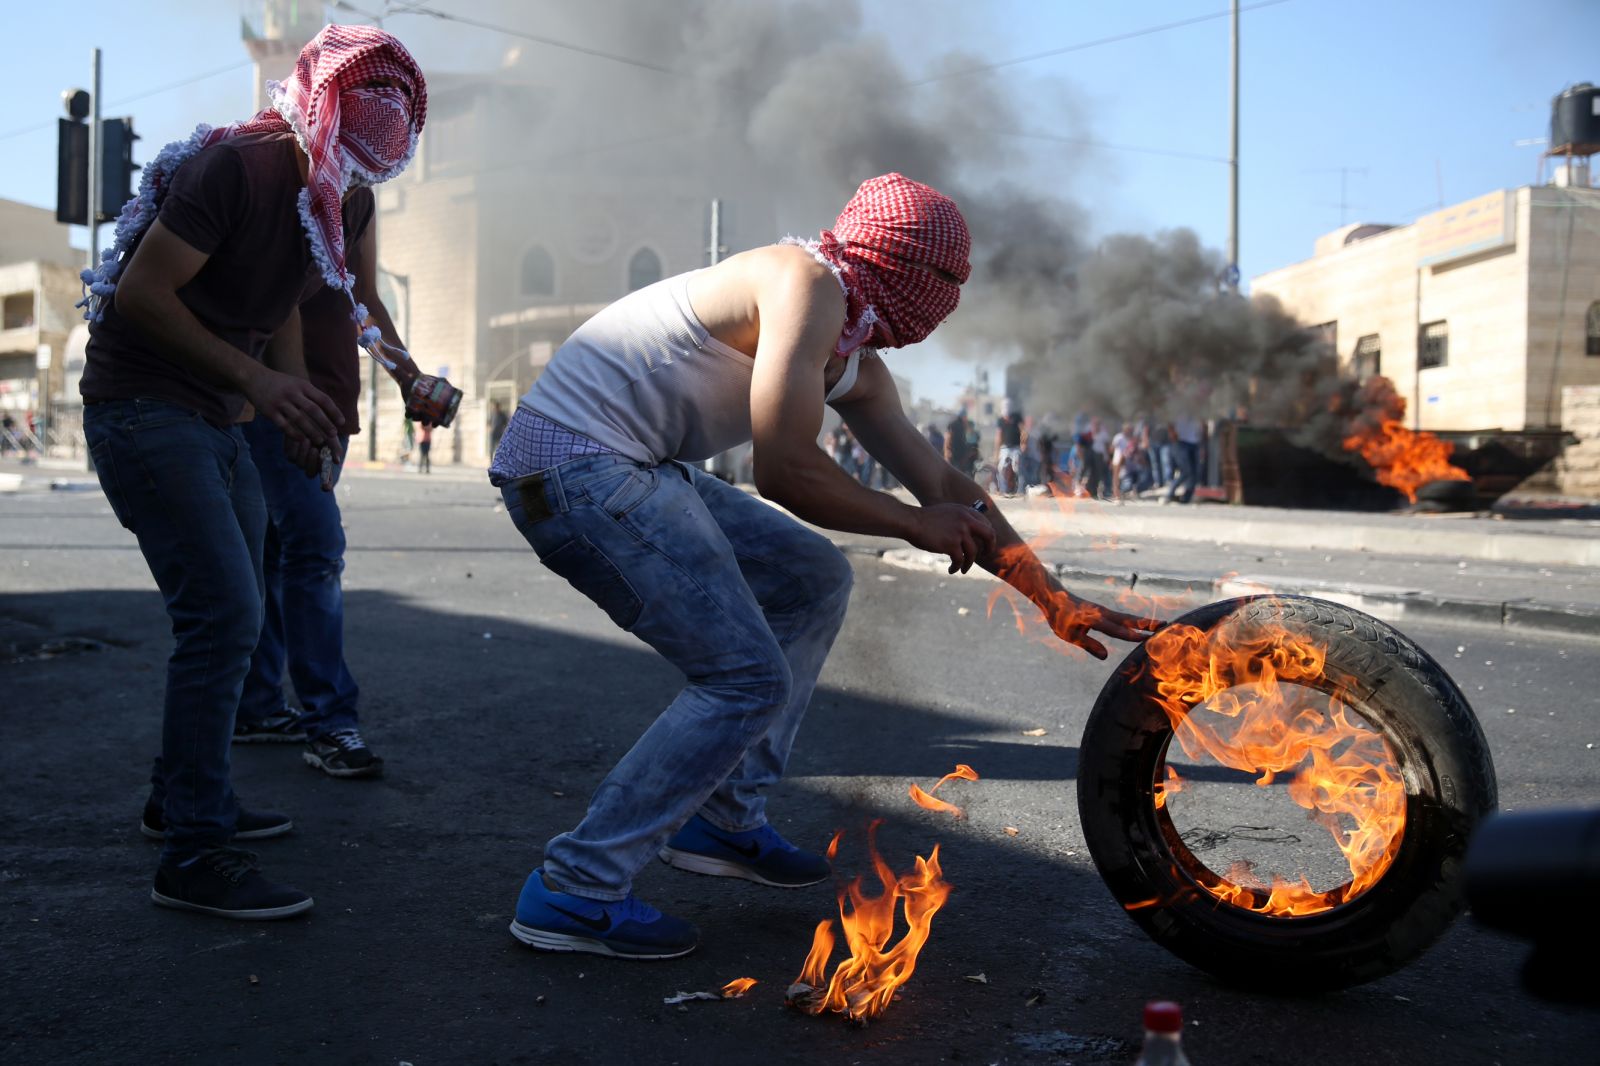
pixel 1406 828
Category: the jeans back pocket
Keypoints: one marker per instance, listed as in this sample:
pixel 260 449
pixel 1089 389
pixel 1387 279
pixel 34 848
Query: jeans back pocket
pixel 629 491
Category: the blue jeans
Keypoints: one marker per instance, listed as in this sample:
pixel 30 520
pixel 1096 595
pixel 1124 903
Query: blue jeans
pixel 189 492
pixel 740 597
pixel 302 562
pixel 1186 463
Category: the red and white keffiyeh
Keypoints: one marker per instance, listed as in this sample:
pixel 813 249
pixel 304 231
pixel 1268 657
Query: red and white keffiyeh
pixel 356 103
pixel 892 229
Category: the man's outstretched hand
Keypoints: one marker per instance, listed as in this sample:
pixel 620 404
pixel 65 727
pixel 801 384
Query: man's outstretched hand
pixel 1073 619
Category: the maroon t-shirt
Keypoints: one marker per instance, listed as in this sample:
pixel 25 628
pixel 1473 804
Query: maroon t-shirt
pixel 333 361
pixel 236 201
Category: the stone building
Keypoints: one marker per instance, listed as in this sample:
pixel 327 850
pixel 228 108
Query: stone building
pixel 1481 313
pixel 38 287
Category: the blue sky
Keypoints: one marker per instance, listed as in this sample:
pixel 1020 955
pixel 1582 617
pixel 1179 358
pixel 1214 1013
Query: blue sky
pixel 1421 101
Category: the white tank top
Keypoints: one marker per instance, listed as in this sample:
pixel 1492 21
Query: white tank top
pixel 645 379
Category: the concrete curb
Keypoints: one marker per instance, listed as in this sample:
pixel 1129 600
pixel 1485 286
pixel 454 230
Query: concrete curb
pixel 1387 602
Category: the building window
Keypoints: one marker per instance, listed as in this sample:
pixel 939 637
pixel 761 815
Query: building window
pixel 18 311
pixel 1369 357
pixel 643 269
pixel 1433 346
pixel 1591 339
pixel 538 272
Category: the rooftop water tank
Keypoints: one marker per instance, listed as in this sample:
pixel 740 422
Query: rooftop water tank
pixel 1575 121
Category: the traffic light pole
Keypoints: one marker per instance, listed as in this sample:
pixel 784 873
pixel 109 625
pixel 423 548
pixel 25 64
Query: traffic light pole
pixel 93 214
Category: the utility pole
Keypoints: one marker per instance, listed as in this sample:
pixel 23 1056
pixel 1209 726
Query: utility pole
pixel 1233 151
pixel 714 253
pixel 717 248
pixel 95 148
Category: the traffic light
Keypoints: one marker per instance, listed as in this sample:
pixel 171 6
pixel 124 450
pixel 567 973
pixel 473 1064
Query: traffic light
pixel 72 159
pixel 72 163
pixel 116 166
pixel 72 171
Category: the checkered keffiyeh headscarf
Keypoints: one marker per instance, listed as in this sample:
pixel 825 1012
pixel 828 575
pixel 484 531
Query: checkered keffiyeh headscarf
pixel 890 226
pixel 350 133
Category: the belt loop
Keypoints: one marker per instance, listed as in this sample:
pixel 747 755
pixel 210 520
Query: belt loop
pixel 558 491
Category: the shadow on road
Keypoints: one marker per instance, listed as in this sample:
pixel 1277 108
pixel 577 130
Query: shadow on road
pixel 493 746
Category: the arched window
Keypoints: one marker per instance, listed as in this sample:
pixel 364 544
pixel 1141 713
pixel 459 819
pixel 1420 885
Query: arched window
pixel 538 272
pixel 643 269
pixel 1592 340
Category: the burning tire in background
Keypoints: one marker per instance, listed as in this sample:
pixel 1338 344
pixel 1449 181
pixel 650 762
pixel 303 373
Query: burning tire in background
pixel 1375 743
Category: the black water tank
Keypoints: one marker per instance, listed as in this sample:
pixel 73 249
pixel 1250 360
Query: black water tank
pixel 1575 121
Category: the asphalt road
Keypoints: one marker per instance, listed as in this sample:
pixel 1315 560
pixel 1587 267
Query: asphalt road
pixel 499 698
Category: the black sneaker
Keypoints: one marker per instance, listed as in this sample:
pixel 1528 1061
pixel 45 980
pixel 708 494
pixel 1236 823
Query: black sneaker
pixel 250 825
pixel 226 882
pixel 281 728
pixel 342 753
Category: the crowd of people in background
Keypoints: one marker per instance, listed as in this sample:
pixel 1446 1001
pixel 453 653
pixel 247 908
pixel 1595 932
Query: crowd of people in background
pixel 1089 456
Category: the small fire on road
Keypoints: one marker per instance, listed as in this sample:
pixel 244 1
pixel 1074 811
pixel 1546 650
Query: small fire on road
pixel 926 800
pixel 864 983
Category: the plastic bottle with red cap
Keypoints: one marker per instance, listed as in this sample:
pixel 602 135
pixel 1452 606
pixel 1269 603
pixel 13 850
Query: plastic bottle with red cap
pixel 1163 1036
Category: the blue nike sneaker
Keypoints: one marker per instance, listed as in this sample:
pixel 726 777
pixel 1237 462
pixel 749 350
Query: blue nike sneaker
pixel 552 920
pixel 758 855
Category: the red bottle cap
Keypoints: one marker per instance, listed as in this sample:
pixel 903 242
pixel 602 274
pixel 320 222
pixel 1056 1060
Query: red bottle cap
pixel 1163 1017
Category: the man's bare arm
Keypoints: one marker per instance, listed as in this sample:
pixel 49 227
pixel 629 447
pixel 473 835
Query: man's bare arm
pixel 873 412
pixel 286 354
pixel 801 314
pixel 147 296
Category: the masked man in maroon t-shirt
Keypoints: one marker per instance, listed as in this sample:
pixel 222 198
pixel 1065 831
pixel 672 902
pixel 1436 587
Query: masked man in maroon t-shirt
pixel 194 315
pixel 303 627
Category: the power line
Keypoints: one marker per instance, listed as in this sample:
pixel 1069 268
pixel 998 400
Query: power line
pixel 1113 147
pixel 418 9
pixel 139 96
pixel 1097 42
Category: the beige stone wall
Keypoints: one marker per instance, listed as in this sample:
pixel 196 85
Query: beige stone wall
pixel 1503 309
pixel 1577 472
pixel 428 234
pixel 1560 219
pixel 30 233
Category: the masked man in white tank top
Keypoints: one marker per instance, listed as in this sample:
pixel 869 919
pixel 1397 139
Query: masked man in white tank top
pixel 595 472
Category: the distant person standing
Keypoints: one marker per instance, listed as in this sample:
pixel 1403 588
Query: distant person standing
pixel 935 438
pixel 958 445
pixel 1008 443
pixel 1160 447
pixel 425 449
pixel 1187 433
pixel 497 425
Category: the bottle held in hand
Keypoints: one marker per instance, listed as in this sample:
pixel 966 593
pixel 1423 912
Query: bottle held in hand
pixel 429 399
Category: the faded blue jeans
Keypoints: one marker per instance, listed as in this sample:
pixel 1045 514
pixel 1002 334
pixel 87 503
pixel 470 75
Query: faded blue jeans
pixel 740 597
pixel 189 492
pixel 302 562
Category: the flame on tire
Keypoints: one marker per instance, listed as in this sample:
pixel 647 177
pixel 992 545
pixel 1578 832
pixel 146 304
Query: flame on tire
pixel 1402 459
pixel 1224 694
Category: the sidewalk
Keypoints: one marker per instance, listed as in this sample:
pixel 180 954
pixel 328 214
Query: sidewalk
pixel 1535 574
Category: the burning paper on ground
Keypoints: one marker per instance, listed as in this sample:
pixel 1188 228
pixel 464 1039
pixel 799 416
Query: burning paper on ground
pixel 732 990
pixel 864 983
pixel 926 799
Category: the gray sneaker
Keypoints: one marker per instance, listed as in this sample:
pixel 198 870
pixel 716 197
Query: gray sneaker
pixel 281 728
pixel 342 753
